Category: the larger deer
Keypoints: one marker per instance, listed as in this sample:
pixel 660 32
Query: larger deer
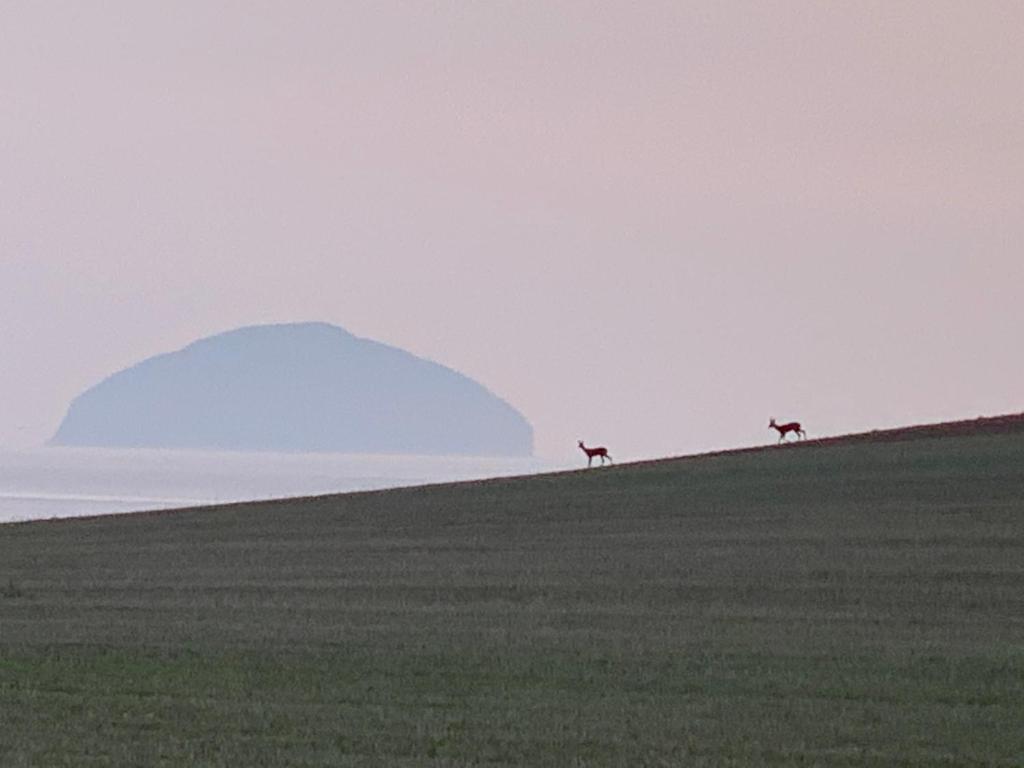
pixel 601 452
pixel 784 429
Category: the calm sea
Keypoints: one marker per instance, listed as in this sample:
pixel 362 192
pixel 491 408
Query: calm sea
pixel 69 482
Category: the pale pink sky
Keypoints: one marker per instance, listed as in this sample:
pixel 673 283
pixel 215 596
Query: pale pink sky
pixel 650 225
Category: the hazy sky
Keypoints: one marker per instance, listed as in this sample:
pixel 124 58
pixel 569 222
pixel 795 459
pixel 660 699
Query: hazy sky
pixel 652 225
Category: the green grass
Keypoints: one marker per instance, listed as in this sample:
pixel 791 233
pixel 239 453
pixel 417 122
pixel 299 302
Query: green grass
pixel 846 605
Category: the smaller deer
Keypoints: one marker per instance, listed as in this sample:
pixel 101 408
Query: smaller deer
pixel 784 429
pixel 601 452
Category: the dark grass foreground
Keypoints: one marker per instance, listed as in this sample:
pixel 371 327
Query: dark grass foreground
pixel 857 604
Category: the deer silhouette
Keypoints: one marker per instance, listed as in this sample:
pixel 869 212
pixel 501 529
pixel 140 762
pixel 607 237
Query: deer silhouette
pixel 784 429
pixel 601 452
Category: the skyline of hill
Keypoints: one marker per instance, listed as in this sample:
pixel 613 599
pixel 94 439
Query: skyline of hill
pixel 296 387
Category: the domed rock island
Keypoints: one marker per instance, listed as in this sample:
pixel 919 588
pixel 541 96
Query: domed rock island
pixel 296 387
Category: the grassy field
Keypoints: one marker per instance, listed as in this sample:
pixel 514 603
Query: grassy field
pixel 857 604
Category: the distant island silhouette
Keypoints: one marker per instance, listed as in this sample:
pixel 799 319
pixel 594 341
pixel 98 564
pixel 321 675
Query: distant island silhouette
pixel 298 387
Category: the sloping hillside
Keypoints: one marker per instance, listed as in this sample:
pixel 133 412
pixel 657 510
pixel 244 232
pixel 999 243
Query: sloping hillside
pixel 839 604
pixel 1009 424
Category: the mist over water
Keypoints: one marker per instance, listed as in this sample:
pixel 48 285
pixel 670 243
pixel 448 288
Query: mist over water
pixel 70 482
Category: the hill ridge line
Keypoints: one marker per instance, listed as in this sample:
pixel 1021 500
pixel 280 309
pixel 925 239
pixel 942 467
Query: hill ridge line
pixel 982 425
